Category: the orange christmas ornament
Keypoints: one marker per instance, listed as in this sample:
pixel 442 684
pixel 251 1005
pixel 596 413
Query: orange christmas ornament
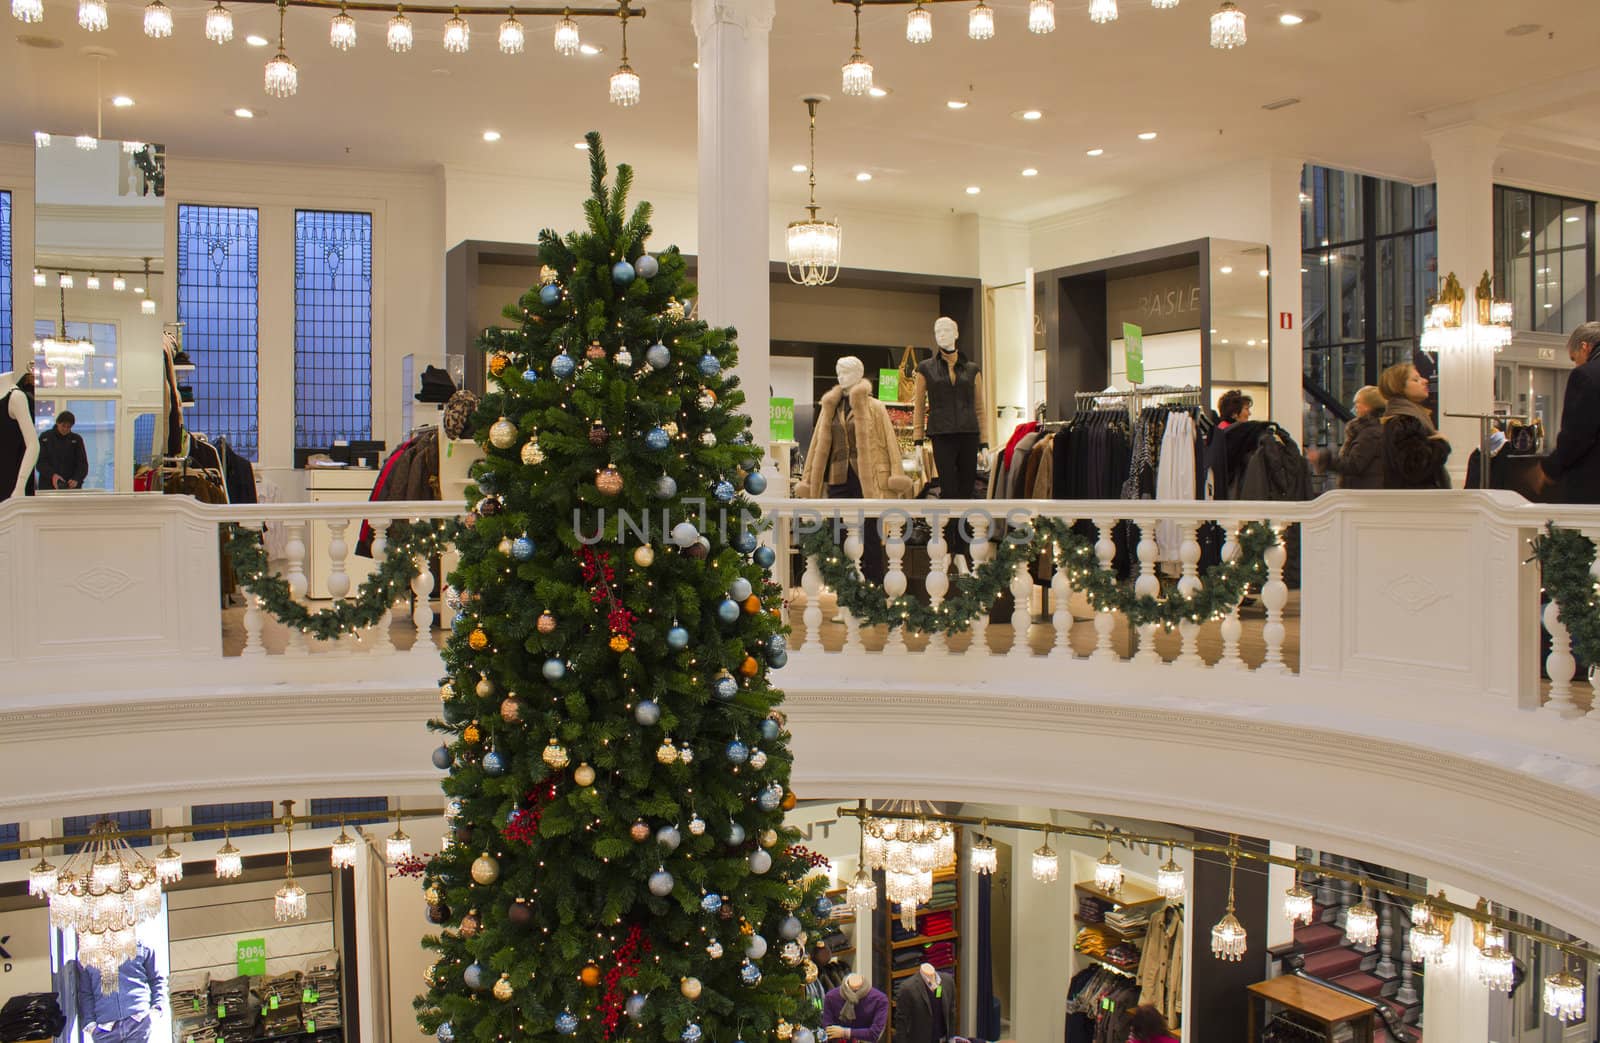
pixel 590 976
pixel 478 640
pixel 498 364
pixel 749 667
pixel 752 604
pixel 619 643
pixel 470 733
pixel 789 801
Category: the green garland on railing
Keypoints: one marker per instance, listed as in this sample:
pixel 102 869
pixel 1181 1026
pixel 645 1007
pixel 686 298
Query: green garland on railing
pixel 378 593
pixel 1223 587
pixel 1565 556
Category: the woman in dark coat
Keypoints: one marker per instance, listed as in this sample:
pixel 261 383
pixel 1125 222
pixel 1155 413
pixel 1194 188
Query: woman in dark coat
pixel 1359 462
pixel 1414 451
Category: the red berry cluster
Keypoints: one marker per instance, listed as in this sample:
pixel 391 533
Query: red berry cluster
pixel 524 823
pixel 808 856
pixel 600 573
pixel 628 956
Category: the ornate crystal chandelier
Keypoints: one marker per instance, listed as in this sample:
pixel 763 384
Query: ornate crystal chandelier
pixel 92 15
pixel 342 30
pixel 60 349
pixel 919 23
pixel 1102 11
pixel 290 901
pixel 1451 325
pixel 1429 937
pixel 1169 880
pixel 980 22
pixel 342 853
pixel 1298 904
pixel 1496 969
pixel 457 34
pixel 812 245
pixel 1042 16
pixel 157 20
pixel 1563 996
pixel 512 35
pixel 1228 938
pixel 169 864
pixel 1227 27
pixel 1163 5
pixel 102 893
pixel 624 82
pixel 983 856
pixel 398 845
pixel 908 851
pixel 219 24
pixel 857 72
pixel 229 865
pixel 1046 863
pixel 282 78
pixel 400 35
pixel 567 39
pixel 1108 873
pixel 27 10
pixel 1361 922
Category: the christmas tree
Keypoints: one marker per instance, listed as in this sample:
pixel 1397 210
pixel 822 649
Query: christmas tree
pixel 617 866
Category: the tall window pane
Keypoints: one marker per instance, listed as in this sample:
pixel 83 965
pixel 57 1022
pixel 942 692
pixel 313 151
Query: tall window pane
pixel 5 282
pixel 332 327
pixel 218 301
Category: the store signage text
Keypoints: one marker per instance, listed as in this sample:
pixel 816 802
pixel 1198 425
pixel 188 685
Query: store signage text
pixel 1170 304
pixel 5 955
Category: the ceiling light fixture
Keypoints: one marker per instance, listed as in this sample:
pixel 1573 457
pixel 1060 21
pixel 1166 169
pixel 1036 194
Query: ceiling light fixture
pixel 983 857
pixel 512 36
pixel 169 864
pixel 92 15
pixel 589 50
pixel 980 22
pixel 219 24
pixel 1103 11
pixel 908 848
pixel 342 30
pixel 879 92
pixel 118 283
pixel 1299 905
pixel 1563 996
pixel 862 894
pixel 1163 5
pixel 1264 273
pixel 1108 875
pixel 102 894
pixel 1046 863
pixel 342 852
pixel 92 282
pixel 1361 922
pixel 122 101
pixel 229 865
pixel 1290 18
pixel 856 76
pixel 1227 27
pixel 1030 172
pixel 282 79
pixel 812 244
pixel 157 20
pixel 1095 152
pixel 457 33
pixel 1450 325
pixel 257 41
pixel 1032 115
pixel 1169 880
pixel 567 41
pixel 87 142
pixel 624 82
pixel 400 35
pixel 60 349
pixel 65 281
pixel 1226 269
pixel 244 114
pixel 863 176
pixel 1229 938
pixel 919 25
pixel 799 168
pixel 398 845
pixel 956 104
pixel 290 901
pixel 584 145
pixel 1148 135
pixel 973 190
pixel 1041 16
pixel 28 11
pixel 491 135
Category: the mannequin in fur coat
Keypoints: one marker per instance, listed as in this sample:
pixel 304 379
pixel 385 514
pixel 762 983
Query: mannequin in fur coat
pixel 876 462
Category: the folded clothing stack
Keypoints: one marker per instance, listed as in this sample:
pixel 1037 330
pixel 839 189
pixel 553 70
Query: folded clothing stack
pixel 934 924
pixel 909 957
pixel 1123 954
pixel 836 940
pixel 33 1015
pixel 322 987
pixel 194 1019
pixel 941 954
pixel 231 995
pixel 1092 940
pixel 944 895
pixel 1092 909
pixel 1129 921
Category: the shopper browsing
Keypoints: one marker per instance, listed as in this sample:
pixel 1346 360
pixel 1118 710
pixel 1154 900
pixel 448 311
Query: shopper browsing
pixel 63 461
pixel 123 1014
pixel 1150 1027
pixel 1575 463
pixel 1414 451
pixel 1233 408
pixel 1359 462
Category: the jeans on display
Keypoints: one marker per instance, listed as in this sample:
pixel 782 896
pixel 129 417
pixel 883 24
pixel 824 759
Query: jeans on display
pixel 128 1030
pixel 956 458
pixel 872 560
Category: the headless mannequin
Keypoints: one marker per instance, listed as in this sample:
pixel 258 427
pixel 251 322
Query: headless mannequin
pixel 17 412
pixel 924 1008
pixel 947 401
pixel 863 1019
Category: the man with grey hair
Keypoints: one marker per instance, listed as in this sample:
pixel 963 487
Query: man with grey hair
pixel 1575 461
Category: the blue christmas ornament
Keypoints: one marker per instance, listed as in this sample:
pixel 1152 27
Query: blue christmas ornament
pixel 446 1033
pixel 728 611
pixel 804 1035
pixel 777 643
pixel 554 669
pixel 711 901
pixel 622 273
pixel 562 366
pixel 634 1008
pixel 566 1023
pixel 755 483
pixel 646 267
pixel 744 541
pixel 770 730
pixel 739 589
pixel 647 712
pixel 488 481
pixel 549 294
pixel 522 548
pixel 473 976
pixel 777 660
pixel 530 375
pixel 735 836
pixel 666 487
pixel 442 758
pixel 494 765
pixel 657 439
pixel 766 557
pixel 457 619
pixel 677 638
pixel 709 366
pixel 723 491
pixel 737 752
pixel 749 974
pixel 725 688
pixel 657 355
pixel 824 905
pixel 769 798
pixel 747 464
pixel 691 1033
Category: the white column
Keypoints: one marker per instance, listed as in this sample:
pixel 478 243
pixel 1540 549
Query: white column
pixel 1463 165
pixel 733 223
pixel 1285 293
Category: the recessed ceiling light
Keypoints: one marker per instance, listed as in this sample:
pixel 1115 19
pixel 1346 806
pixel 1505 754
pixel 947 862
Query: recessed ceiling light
pixel 1304 270
pixel 1148 135
pixel 863 176
pixel 1290 18
pixel 879 92
pixel 1263 273
pixel 973 190
pixel 1030 115
pixel 956 103
pixel 244 114
pixel 580 144
pixel 1030 172
pixel 1213 332
pixel 255 41
pixel 122 101
pixel 491 135
pixel 799 168
pixel 1224 340
pixel 589 49
pixel 697 66
pixel 1226 270
pixel 1572 220
pixel 1250 343
pixel 1096 152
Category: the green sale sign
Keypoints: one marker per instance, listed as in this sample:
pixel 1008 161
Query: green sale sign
pixel 251 957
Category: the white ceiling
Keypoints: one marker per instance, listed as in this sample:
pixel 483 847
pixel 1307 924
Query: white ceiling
pixel 1365 71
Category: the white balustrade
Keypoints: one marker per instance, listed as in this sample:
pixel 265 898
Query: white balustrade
pixel 1188 586
pixel 811 619
pixel 1561 665
pixel 980 549
pixel 894 580
pixel 1274 595
pixel 339 580
pixel 1021 610
pixel 1147 586
pixel 422 611
pixel 1060 600
pixel 1231 628
pixel 1105 621
pixel 854 548
pixel 378 636
pixel 938 582
pixel 298 644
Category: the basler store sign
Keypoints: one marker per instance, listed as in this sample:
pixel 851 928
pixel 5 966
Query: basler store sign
pixel 1159 302
pixel 24 951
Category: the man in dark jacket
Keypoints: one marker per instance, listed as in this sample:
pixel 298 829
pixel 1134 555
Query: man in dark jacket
pixel 63 461
pixel 1575 462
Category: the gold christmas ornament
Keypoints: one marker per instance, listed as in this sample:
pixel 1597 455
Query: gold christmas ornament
pixel 675 312
pixel 752 604
pixel 671 428
pixel 809 969
pixel 485 686
pixel 447 692
pixel 502 988
pixel 548 276
pixel 478 639
pixel 666 753
pixel 583 775
pixel 431 895
pixel 470 733
pixel 532 452
pixel 639 831
pixel 485 870
pixel 503 434
pixel 707 399
pixel 504 546
pixel 644 556
pixel 511 709
pixel 547 623
pixel 595 350
pixel 609 481
pixel 497 365
pixel 619 643
pixel 789 801
pixel 690 987
pixel 769 837
pixel 470 924
pixel 555 755
pixel 686 753
pixel 785 1030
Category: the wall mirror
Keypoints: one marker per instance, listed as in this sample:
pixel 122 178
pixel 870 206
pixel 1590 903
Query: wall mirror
pixel 99 259
pixel 1241 331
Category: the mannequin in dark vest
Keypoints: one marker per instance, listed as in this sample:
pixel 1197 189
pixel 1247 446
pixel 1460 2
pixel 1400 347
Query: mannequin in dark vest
pixel 947 407
pixel 19 440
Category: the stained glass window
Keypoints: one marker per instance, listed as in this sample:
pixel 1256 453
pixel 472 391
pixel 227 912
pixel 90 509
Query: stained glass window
pixel 83 825
pixel 5 282
pixel 242 811
pixel 357 810
pixel 219 304
pixel 332 327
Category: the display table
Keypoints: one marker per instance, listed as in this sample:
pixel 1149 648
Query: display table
pixel 1295 1008
pixel 336 485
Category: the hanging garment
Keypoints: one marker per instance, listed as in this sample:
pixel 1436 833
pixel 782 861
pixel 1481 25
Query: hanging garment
pixel 12 449
pixel 1161 968
pixel 1175 480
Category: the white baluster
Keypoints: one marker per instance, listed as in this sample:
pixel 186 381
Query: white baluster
pixel 1560 665
pixel 1147 585
pixel 893 525
pixel 980 549
pixel 1274 595
pixel 254 620
pixel 295 551
pixel 1105 621
pixel 938 583
pixel 422 613
pixel 378 637
pixel 1021 610
pixel 811 618
pixel 1188 586
pixel 853 549
pixel 1061 595
pixel 1231 627
pixel 339 579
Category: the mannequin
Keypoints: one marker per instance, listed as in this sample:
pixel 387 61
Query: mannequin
pixel 947 401
pixel 855 1010
pixel 925 1008
pixel 853 452
pixel 19 441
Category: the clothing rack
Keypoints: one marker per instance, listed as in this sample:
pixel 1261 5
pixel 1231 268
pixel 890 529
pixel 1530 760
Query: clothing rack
pixel 1138 398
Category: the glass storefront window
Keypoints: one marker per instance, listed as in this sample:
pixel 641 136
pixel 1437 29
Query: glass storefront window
pixel 95 420
pixel 99 372
pixel 1544 257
